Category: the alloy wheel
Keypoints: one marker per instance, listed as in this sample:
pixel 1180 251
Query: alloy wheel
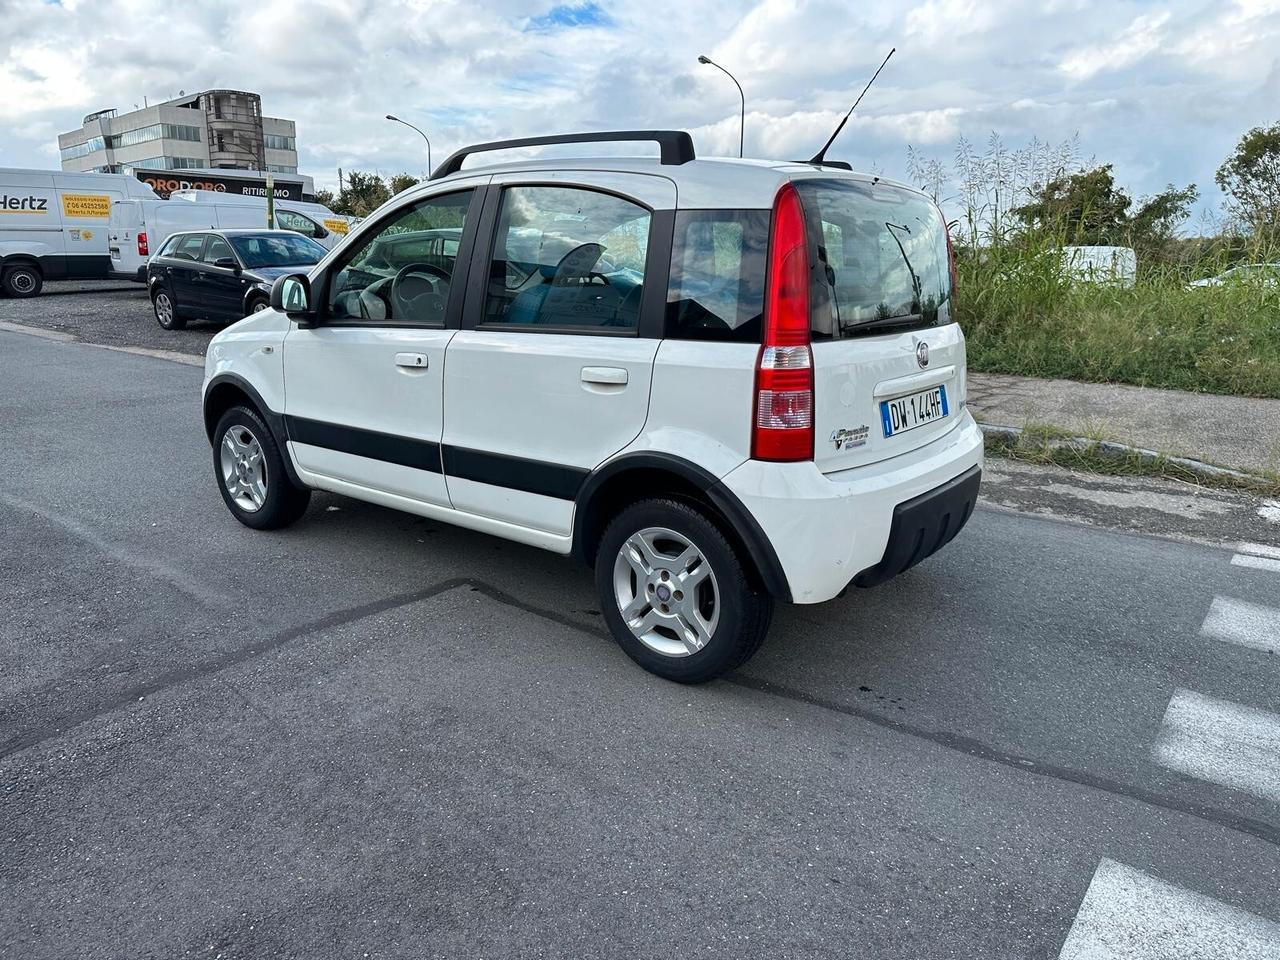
pixel 243 472
pixel 666 591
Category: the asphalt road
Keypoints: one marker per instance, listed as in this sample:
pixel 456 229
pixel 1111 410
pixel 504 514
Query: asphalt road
pixel 374 735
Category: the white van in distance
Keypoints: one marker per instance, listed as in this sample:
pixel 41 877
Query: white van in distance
pixel 138 227
pixel 53 225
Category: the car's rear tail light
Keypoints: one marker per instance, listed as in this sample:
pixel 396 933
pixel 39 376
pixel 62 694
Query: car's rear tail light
pixel 782 426
pixel 143 249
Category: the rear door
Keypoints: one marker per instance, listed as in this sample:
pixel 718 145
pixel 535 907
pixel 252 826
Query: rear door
pixel 888 360
pixel 180 269
pixel 550 375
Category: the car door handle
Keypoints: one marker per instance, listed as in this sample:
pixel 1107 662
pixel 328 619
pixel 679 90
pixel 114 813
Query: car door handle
pixel 414 361
pixel 611 376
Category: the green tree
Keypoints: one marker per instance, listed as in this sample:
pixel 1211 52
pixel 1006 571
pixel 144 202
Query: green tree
pixel 327 198
pixel 1251 178
pixel 361 193
pixel 1153 227
pixel 402 181
pixel 1082 208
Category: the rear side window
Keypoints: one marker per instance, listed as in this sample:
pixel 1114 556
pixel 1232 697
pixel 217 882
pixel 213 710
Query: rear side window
pixel 881 258
pixel 716 290
pixel 169 246
pixel 568 258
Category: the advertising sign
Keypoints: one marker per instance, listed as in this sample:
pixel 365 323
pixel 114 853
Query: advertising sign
pixel 165 182
pixel 84 206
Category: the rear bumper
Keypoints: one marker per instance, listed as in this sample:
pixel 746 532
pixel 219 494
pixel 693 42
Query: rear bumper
pixel 924 525
pixel 828 529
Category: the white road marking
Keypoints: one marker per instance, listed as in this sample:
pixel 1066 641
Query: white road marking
pixel 1248 624
pixel 1258 563
pixel 1270 511
pixel 1259 550
pixel 1128 915
pixel 1223 742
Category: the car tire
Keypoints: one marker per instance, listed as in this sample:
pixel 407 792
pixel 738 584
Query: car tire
pixel 249 467
pixel 22 280
pixel 647 554
pixel 166 310
pixel 257 305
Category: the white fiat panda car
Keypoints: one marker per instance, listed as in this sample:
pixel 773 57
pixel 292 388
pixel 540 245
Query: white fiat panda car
pixel 721 383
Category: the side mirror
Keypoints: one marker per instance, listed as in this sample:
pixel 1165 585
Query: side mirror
pixel 228 263
pixel 291 295
pixel 320 232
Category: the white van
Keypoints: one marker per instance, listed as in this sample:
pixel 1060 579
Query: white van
pixel 138 227
pixel 1114 266
pixel 54 225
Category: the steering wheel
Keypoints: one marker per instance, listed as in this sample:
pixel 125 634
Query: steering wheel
pixel 577 264
pixel 419 292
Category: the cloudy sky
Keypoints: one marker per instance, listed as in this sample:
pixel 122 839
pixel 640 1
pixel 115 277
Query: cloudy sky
pixel 1162 90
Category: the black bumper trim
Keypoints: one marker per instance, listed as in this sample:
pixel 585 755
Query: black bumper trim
pixel 924 525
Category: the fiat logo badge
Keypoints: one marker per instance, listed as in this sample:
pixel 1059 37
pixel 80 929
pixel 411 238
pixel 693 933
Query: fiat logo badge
pixel 922 354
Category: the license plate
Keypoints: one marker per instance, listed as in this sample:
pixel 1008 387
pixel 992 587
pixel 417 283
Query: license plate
pixel 914 410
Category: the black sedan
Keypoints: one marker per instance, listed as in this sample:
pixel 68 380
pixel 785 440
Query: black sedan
pixel 223 275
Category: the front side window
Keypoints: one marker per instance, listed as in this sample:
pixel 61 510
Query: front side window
pixel 217 249
pixel 567 257
pixel 403 271
pixel 716 291
pixel 882 257
pixel 189 247
pixel 288 220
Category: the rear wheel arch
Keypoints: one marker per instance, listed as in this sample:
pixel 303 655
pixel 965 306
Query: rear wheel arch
pixel 645 476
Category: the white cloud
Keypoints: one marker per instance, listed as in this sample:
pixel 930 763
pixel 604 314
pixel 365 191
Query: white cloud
pixel 1163 94
pixel 1142 37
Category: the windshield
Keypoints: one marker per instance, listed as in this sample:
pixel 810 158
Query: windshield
pixel 277 250
pixel 882 257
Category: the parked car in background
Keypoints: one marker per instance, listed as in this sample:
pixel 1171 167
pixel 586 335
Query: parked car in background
pixel 54 225
pixel 719 382
pixel 222 275
pixel 1117 266
pixel 138 227
pixel 1266 274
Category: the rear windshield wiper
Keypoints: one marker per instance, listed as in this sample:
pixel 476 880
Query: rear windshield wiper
pixel 879 323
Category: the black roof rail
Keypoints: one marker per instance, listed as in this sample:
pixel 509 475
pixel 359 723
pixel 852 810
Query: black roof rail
pixel 676 146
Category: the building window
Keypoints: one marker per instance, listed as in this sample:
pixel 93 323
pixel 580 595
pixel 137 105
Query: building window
pixel 156 131
pixel 274 142
pixel 77 150
pixel 278 168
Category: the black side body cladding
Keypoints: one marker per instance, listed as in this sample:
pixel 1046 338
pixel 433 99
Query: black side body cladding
pixel 676 146
pixel 721 497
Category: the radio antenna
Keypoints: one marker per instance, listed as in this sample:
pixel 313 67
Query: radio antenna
pixel 821 155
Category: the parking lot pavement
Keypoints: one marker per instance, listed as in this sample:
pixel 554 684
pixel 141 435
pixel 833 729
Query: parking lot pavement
pixel 375 734
pixel 112 312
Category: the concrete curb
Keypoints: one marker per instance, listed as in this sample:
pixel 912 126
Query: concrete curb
pixel 1198 467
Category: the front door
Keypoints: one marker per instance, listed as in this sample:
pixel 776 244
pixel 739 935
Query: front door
pixel 550 375
pixel 221 288
pixel 363 388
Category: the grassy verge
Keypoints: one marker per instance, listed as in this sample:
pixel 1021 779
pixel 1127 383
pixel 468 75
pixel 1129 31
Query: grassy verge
pixel 1022 317
pixel 1050 445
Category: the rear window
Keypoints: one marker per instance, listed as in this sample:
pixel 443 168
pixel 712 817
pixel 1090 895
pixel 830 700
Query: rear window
pixel 716 290
pixel 882 258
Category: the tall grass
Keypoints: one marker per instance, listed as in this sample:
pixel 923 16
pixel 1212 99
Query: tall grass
pixel 1024 313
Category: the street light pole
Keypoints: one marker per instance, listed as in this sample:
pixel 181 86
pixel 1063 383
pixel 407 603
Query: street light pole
pixel 742 126
pixel 420 133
